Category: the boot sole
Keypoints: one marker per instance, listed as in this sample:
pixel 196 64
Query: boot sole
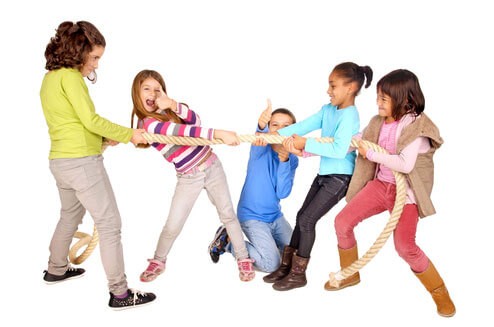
pixel 449 315
pixel 130 306
pixel 52 282
pixel 287 289
pixel 330 288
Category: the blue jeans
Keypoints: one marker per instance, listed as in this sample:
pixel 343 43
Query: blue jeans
pixel 266 242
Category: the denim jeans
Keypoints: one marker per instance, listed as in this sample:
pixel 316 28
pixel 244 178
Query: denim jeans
pixel 266 242
pixel 376 197
pixel 83 184
pixel 325 192
pixel 187 190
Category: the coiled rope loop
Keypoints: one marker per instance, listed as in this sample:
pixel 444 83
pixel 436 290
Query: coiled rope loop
pixel 84 239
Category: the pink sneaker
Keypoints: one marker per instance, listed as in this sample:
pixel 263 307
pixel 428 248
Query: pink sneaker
pixel 154 269
pixel 246 268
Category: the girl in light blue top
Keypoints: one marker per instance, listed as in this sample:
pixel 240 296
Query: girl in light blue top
pixel 338 119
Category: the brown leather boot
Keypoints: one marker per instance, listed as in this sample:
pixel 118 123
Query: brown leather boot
pixel 284 268
pixel 347 257
pixel 435 285
pixel 296 277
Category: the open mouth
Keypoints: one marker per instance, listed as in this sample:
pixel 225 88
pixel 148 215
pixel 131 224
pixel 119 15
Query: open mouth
pixel 150 103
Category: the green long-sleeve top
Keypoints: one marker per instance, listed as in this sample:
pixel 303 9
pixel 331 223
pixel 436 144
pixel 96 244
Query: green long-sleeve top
pixel 75 129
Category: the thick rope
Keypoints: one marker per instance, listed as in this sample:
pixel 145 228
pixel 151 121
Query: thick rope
pixel 187 140
pixel 382 238
pixel 336 278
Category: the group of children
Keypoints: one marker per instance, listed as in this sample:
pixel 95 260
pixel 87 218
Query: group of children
pixel 367 181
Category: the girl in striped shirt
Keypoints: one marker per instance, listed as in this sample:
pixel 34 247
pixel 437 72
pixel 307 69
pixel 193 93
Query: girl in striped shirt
pixel 197 168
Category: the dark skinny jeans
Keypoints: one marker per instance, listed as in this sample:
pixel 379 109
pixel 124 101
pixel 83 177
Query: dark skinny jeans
pixel 325 192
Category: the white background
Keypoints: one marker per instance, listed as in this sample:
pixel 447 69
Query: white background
pixel 224 58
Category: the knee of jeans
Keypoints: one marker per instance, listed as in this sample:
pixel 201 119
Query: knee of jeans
pixel 343 226
pixel 109 230
pixel 340 224
pixel 406 251
pixel 228 218
pixel 269 263
pixel 171 232
pixel 306 224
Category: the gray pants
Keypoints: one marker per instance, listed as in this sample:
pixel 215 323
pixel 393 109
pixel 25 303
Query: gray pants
pixel 83 184
pixel 187 190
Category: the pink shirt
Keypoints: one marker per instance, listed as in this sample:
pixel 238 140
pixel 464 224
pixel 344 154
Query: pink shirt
pixel 402 162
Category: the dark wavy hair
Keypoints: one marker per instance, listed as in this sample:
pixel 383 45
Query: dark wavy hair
pixel 71 45
pixel 403 87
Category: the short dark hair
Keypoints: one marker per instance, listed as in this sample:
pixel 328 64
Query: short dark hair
pixel 286 112
pixel 403 87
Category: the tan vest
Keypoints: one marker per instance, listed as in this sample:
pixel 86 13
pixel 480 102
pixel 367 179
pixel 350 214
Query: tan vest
pixel 420 179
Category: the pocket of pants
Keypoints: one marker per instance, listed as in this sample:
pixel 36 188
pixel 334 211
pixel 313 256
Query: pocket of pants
pixel 337 185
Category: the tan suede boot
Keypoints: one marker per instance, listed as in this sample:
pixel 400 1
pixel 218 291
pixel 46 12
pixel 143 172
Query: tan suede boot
pixel 284 268
pixel 435 285
pixel 296 277
pixel 347 257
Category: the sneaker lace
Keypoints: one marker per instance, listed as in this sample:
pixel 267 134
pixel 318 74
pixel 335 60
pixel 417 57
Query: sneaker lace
pixel 136 295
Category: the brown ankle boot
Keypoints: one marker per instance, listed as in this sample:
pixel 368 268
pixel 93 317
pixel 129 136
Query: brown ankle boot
pixel 284 268
pixel 296 277
pixel 433 282
pixel 347 257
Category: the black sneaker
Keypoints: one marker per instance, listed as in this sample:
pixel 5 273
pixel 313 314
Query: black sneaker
pixel 218 245
pixel 71 273
pixel 133 299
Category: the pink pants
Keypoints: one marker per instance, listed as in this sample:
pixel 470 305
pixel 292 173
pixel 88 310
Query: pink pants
pixel 374 198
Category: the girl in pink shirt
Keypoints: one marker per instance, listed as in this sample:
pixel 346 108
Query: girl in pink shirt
pixel 411 139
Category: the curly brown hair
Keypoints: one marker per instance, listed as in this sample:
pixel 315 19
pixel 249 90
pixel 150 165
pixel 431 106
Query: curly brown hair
pixel 71 45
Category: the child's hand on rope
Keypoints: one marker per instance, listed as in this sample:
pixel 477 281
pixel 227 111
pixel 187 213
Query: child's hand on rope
pixel 137 137
pixel 227 137
pixel 282 153
pixel 265 116
pixel 362 149
pixel 260 141
pixel 288 145
pixel 299 142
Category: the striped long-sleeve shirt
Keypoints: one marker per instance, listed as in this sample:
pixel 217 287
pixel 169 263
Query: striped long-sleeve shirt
pixel 184 157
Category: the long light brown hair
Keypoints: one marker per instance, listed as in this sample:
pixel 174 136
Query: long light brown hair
pixel 138 109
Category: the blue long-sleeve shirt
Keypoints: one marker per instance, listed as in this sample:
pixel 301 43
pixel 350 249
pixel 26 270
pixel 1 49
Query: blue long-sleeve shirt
pixel 267 182
pixel 341 125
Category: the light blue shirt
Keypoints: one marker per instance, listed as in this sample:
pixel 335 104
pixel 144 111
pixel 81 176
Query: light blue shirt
pixel 341 124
